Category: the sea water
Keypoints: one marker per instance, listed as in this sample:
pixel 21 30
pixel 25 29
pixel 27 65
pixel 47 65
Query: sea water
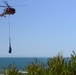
pixel 19 63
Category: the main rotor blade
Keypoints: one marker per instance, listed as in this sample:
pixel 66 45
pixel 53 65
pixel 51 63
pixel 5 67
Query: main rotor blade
pixel 3 6
pixel 20 5
pixel 6 3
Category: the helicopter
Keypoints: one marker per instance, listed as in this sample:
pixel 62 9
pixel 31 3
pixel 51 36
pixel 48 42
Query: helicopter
pixel 8 10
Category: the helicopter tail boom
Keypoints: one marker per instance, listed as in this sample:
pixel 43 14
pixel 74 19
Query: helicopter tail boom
pixel 1 15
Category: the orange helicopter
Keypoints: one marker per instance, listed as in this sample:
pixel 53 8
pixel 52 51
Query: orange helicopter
pixel 8 10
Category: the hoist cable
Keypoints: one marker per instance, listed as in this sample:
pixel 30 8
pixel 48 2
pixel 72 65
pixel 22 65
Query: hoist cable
pixel 10 49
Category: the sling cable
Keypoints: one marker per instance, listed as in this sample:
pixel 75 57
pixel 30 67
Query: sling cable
pixel 10 48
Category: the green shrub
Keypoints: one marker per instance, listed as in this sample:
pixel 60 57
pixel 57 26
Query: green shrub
pixel 36 68
pixel 11 70
pixel 55 65
pixel 73 64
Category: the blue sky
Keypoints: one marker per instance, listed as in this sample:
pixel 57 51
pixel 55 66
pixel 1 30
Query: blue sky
pixel 41 29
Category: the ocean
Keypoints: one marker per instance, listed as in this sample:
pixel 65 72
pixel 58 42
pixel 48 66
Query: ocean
pixel 19 63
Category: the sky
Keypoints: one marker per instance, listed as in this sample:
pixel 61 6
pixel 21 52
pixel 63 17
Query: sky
pixel 42 28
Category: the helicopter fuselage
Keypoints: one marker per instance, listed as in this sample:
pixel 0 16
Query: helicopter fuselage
pixel 9 10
